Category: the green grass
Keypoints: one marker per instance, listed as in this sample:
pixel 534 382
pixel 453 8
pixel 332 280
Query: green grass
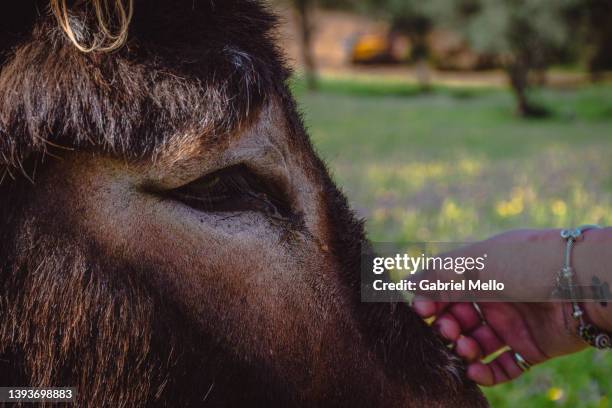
pixel 457 165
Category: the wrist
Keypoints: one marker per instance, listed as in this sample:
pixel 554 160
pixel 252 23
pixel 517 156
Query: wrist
pixel 598 315
pixel 591 269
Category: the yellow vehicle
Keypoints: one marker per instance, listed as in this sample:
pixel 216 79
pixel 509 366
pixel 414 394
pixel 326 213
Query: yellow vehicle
pixel 377 49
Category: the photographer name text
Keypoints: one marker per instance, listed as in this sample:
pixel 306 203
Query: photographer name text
pixel 437 285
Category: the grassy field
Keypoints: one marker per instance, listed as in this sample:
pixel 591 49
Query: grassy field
pixel 457 165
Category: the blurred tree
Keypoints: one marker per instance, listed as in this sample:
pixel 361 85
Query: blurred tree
pixel 597 22
pixel 337 4
pixel 526 35
pixel 304 9
pixel 303 13
pixel 412 18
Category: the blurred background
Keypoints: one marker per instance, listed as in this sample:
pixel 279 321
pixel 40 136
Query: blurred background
pixel 452 120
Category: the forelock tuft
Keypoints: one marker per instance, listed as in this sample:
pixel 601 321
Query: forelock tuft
pixel 185 66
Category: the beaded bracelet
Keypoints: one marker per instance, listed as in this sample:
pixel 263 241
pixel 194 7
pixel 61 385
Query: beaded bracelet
pixel 565 280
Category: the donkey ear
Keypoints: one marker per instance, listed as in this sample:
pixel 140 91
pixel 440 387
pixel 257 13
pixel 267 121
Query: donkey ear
pixel 17 18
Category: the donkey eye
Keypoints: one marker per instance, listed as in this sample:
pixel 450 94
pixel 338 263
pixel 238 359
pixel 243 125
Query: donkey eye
pixel 234 189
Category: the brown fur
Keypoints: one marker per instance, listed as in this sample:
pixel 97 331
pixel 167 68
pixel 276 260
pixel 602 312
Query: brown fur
pixel 136 299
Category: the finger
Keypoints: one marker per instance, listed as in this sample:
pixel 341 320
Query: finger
pixel 508 364
pixel 504 367
pixel 448 327
pixel 510 327
pixel 481 374
pixel 468 349
pixel 487 374
pixel 466 315
pixel 499 375
pixel 423 307
pixel 427 308
pixel 487 339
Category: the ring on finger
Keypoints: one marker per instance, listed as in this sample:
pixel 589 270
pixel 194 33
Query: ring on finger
pixel 521 362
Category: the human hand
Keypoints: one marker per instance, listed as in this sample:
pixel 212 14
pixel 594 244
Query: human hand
pixel 537 331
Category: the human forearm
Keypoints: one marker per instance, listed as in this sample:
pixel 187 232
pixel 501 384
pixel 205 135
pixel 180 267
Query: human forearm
pixel 592 262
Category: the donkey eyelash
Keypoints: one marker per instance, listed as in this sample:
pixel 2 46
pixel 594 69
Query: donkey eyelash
pixel 234 189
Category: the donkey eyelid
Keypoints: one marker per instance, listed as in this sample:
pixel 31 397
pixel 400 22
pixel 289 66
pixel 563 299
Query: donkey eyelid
pixel 234 189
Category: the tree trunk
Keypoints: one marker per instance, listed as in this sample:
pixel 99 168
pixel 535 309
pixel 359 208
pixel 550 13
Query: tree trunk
pixel 421 69
pixel 518 72
pixel 419 55
pixel 304 9
pixel 518 82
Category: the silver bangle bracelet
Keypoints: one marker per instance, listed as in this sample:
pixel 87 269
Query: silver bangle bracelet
pixel 591 334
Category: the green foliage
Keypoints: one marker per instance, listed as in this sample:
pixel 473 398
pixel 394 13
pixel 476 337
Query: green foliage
pixel 411 17
pixel 337 4
pixel 525 35
pixel 580 380
pixel 509 27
